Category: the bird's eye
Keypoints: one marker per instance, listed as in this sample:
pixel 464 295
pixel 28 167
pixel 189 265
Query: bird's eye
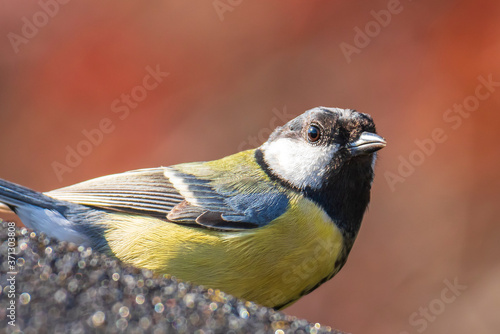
pixel 313 133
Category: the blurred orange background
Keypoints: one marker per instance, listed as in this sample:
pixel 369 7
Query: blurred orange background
pixel 236 69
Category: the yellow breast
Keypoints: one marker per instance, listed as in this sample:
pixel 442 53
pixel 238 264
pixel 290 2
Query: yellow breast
pixel 271 265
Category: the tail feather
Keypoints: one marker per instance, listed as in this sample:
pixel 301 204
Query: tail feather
pixel 41 212
pixel 14 196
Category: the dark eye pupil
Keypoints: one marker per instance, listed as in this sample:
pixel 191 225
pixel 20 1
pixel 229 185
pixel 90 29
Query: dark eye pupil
pixel 313 133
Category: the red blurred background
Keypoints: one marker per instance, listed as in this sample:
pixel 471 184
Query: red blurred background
pixel 236 69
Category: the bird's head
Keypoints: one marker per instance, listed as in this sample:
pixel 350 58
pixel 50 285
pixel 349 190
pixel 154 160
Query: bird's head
pixel 312 148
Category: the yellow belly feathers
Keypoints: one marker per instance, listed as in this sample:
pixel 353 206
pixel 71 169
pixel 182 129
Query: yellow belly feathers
pixel 270 265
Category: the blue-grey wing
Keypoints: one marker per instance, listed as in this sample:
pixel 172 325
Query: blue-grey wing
pixel 210 199
pixel 226 201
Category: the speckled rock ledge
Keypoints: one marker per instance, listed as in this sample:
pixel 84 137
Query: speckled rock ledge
pixel 57 287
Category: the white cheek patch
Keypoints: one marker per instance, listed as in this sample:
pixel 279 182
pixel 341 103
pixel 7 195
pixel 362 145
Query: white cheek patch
pixel 298 162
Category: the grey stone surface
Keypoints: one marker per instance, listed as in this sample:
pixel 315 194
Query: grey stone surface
pixel 64 288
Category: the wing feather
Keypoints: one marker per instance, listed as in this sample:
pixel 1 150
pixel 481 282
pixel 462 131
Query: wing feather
pixel 200 194
pixel 145 190
pixel 225 199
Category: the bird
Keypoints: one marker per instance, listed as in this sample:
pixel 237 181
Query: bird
pixel 268 225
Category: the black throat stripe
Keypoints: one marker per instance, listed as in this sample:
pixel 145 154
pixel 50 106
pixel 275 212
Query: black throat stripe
pixel 346 208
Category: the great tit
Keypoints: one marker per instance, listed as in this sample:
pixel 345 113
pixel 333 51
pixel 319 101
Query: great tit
pixel 267 225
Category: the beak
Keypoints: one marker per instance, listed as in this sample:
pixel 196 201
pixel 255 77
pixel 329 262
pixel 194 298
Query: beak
pixel 366 144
